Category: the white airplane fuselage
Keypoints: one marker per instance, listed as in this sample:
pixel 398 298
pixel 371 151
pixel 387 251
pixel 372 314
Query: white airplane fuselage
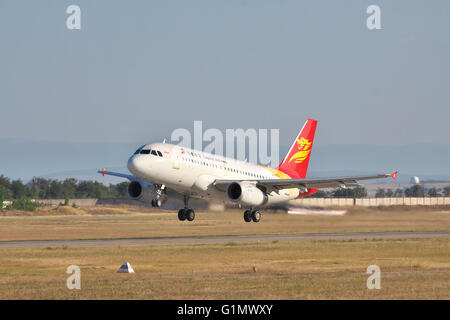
pixel 158 167
pixel 192 173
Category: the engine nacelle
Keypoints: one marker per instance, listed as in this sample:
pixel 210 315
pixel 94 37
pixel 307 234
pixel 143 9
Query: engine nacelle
pixel 246 194
pixel 140 191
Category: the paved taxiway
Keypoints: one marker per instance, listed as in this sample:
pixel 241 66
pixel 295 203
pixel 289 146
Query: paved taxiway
pixel 126 242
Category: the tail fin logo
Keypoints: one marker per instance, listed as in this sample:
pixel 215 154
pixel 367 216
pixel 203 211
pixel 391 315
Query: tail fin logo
pixel 394 175
pixel 295 163
pixel 304 147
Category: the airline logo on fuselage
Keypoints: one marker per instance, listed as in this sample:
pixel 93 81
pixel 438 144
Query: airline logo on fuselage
pixel 304 147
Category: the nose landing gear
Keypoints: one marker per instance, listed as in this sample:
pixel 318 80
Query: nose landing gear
pixel 157 203
pixel 252 215
pixel 186 213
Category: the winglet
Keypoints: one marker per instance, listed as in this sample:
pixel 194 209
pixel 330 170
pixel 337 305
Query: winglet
pixel 394 175
pixel 104 169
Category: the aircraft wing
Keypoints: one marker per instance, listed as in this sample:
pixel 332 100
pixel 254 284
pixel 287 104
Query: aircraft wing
pixel 319 183
pixel 116 174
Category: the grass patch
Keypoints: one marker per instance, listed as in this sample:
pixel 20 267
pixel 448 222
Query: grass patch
pixel 410 269
pixel 109 222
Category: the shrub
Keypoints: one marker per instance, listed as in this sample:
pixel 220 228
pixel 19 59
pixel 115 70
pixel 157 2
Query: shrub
pixel 24 204
pixel 2 198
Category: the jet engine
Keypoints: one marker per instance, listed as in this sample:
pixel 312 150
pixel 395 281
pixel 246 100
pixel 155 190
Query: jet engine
pixel 141 191
pixel 246 194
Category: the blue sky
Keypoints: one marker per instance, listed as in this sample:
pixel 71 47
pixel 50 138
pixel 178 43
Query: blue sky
pixel 139 69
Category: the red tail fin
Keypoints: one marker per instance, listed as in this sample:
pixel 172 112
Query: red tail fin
pixel 295 164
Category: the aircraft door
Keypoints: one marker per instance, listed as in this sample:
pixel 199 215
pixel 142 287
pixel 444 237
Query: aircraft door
pixel 224 168
pixel 176 158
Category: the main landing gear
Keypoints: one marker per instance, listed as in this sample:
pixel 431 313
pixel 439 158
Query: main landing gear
pixel 161 196
pixel 252 215
pixel 186 213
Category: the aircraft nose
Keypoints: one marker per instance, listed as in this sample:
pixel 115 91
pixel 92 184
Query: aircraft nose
pixel 135 164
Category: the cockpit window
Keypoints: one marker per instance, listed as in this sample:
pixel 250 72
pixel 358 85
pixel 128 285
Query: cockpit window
pixel 139 150
pixel 149 151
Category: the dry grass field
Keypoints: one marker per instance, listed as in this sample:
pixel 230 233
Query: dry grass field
pixel 311 269
pixel 105 222
pixel 410 269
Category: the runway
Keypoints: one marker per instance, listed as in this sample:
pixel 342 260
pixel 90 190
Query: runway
pixel 127 242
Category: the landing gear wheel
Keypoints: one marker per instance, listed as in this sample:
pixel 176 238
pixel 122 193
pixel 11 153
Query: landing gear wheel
pixel 182 214
pixel 157 203
pixel 190 214
pixel 256 216
pixel 186 213
pixel 247 216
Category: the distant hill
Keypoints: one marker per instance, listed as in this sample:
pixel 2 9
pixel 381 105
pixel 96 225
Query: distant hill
pixel 25 159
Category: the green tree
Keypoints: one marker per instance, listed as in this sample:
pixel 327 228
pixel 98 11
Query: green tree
pixel 24 204
pixel 432 192
pixel 398 193
pixel 415 191
pixel 447 191
pixel 418 191
pixel 381 193
pixel 2 198
pixel 92 189
pixel 342 193
pixel 319 194
pixel 39 188
pixel 18 189
pixel 389 193
pixel 55 190
pixel 68 188
pixel 122 189
pixel 5 184
pixel 357 192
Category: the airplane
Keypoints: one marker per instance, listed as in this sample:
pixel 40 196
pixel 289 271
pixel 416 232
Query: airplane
pixel 158 167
